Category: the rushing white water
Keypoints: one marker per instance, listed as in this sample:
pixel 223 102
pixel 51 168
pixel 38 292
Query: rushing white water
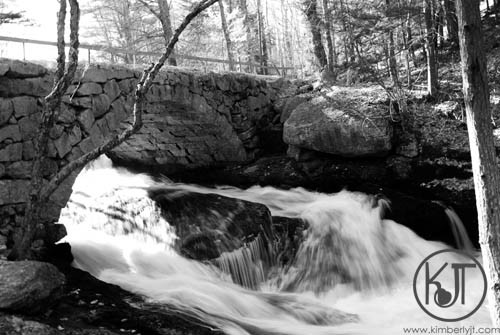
pixel 352 274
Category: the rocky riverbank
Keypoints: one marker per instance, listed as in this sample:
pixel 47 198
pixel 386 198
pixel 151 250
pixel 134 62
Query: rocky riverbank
pixel 83 305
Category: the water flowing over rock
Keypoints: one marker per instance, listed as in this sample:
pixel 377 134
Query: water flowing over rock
pixel 324 124
pixel 209 224
pixel 336 254
pixel 28 286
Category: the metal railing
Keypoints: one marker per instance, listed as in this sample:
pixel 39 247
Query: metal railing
pixel 250 67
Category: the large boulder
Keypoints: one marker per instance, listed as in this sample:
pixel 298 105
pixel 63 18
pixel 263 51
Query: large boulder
pixel 199 226
pixel 29 286
pixel 208 225
pixel 349 129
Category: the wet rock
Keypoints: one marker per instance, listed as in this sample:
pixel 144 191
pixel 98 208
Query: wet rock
pixel 289 234
pixel 209 224
pixel 29 286
pixel 90 306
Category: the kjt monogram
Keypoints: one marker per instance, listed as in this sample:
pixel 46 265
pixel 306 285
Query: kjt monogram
pixel 442 297
pixel 459 299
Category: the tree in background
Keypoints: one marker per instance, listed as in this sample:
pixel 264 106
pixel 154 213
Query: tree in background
pixel 227 36
pixel 162 12
pixel 330 41
pixel 430 48
pixel 263 54
pixel 8 16
pixel 451 21
pixel 311 13
pixel 484 166
pixel 389 36
pixel 40 191
pixel 121 24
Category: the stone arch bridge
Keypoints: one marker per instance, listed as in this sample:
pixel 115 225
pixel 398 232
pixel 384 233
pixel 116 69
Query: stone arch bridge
pixel 191 119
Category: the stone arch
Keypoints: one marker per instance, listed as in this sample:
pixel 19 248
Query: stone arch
pixel 192 119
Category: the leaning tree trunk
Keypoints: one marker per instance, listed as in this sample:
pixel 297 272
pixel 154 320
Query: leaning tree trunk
pixel 311 12
pixel 430 48
pixel 484 167
pixel 40 191
pixel 227 36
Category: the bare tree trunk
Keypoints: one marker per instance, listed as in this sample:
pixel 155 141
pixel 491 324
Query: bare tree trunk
pixel 393 66
pixel 40 193
pixel 25 234
pixel 430 44
pixel 484 167
pixel 163 15
pixel 406 46
pixel 451 21
pixel 311 12
pixel 262 40
pixel 439 22
pixel 127 34
pixel 246 22
pixel 287 35
pixel 329 38
pixel 166 25
pixel 409 39
pixel 227 36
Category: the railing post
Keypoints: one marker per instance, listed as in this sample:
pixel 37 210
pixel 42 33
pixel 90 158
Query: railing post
pixel 24 52
pixel 89 55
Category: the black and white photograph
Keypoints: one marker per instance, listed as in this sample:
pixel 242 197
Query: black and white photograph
pixel 249 167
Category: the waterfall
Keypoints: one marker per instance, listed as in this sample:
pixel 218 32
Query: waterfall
pixel 352 274
pixel 246 265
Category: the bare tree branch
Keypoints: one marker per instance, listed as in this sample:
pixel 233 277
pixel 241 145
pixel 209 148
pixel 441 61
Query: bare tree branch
pixel 142 87
pixel 151 9
pixel 61 58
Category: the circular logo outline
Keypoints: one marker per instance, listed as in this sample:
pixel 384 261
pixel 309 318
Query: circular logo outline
pixel 463 253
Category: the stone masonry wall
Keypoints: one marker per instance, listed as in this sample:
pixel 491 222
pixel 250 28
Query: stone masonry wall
pixel 191 119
